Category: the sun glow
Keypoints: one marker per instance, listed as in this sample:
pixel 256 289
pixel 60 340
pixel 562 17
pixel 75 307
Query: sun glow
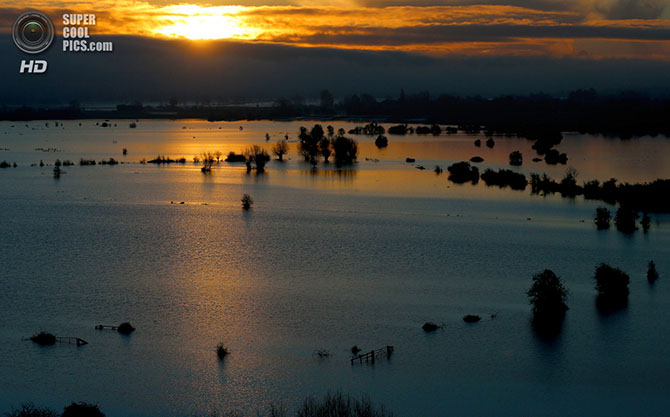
pixel 203 23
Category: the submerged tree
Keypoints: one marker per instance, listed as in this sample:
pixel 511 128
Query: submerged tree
pixel 515 158
pixel 602 219
pixel 381 141
pixel 645 222
pixel 652 274
pixel 548 296
pixel 247 201
pixel 280 149
pixel 625 219
pixel 346 150
pixel 258 156
pixel 207 159
pixel 324 148
pixel 612 286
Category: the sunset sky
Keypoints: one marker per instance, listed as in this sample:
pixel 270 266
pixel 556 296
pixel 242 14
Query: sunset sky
pixel 579 31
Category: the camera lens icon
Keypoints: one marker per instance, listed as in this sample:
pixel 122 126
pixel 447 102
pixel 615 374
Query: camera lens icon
pixel 33 32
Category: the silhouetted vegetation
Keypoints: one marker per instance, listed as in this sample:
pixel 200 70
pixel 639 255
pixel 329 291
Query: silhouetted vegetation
pixel 84 162
pixel 471 318
pixel 438 169
pixel 57 171
pixel 221 351
pixel 516 158
pixel 355 349
pixel 635 197
pixel 536 116
pixel 29 410
pixel 612 286
pixel 43 339
pixel 602 219
pixel 477 159
pixel 165 160
pixel 322 353
pixel 5 164
pixel 341 405
pixel 462 172
pixel 429 326
pixel 125 328
pixel 233 157
pixel 398 129
pixel 110 161
pixel 505 178
pixel 82 409
pixel 478 143
pixel 324 149
pixel 370 129
pixel 258 156
pixel 625 219
pixel 645 222
pixel 554 157
pixel 381 141
pixel 207 159
pixel 345 150
pixel 247 201
pixel 434 130
pixel 490 143
pixel 280 149
pixel 652 274
pixel 548 297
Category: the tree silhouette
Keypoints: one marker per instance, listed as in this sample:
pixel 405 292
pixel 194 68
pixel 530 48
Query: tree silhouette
pixel 548 296
pixel 612 286
pixel 602 219
pixel 515 158
pixel 280 149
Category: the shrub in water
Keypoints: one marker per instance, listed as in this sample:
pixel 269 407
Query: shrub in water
pixel 43 339
pixel 652 274
pixel 548 296
pixel 221 351
pixel 612 286
pixel 82 409
pixel 29 410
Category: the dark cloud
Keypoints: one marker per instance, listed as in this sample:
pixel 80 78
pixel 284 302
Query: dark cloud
pixel 470 33
pixel 150 69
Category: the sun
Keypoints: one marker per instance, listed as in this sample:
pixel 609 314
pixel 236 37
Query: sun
pixel 203 23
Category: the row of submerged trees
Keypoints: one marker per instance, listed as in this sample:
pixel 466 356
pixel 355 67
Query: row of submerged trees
pixel 548 295
pixel 317 143
pixel 313 145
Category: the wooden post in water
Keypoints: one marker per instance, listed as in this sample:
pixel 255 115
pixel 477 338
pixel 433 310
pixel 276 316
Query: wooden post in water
pixel 372 356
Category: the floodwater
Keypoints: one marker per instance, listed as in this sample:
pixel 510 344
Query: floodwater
pixel 324 260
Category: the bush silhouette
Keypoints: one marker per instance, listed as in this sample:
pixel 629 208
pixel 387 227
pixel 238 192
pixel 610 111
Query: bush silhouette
pixel 462 172
pixel 612 286
pixel 43 339
pixel 548 297
pixel 280 149
pixel 82 409
pixel 341 405
pixel 29 410
pixel 625 219
pixel 652 274
pixel 345 149
pixel 602 219
pixel 516 158
pixel 221 351
pixel 381 141
pixel 247 201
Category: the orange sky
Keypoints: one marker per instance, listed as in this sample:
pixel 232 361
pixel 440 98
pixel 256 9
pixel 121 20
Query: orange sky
pixel 577 28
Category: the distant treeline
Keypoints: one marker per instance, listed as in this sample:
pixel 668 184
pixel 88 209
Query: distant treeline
pixel 625 114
